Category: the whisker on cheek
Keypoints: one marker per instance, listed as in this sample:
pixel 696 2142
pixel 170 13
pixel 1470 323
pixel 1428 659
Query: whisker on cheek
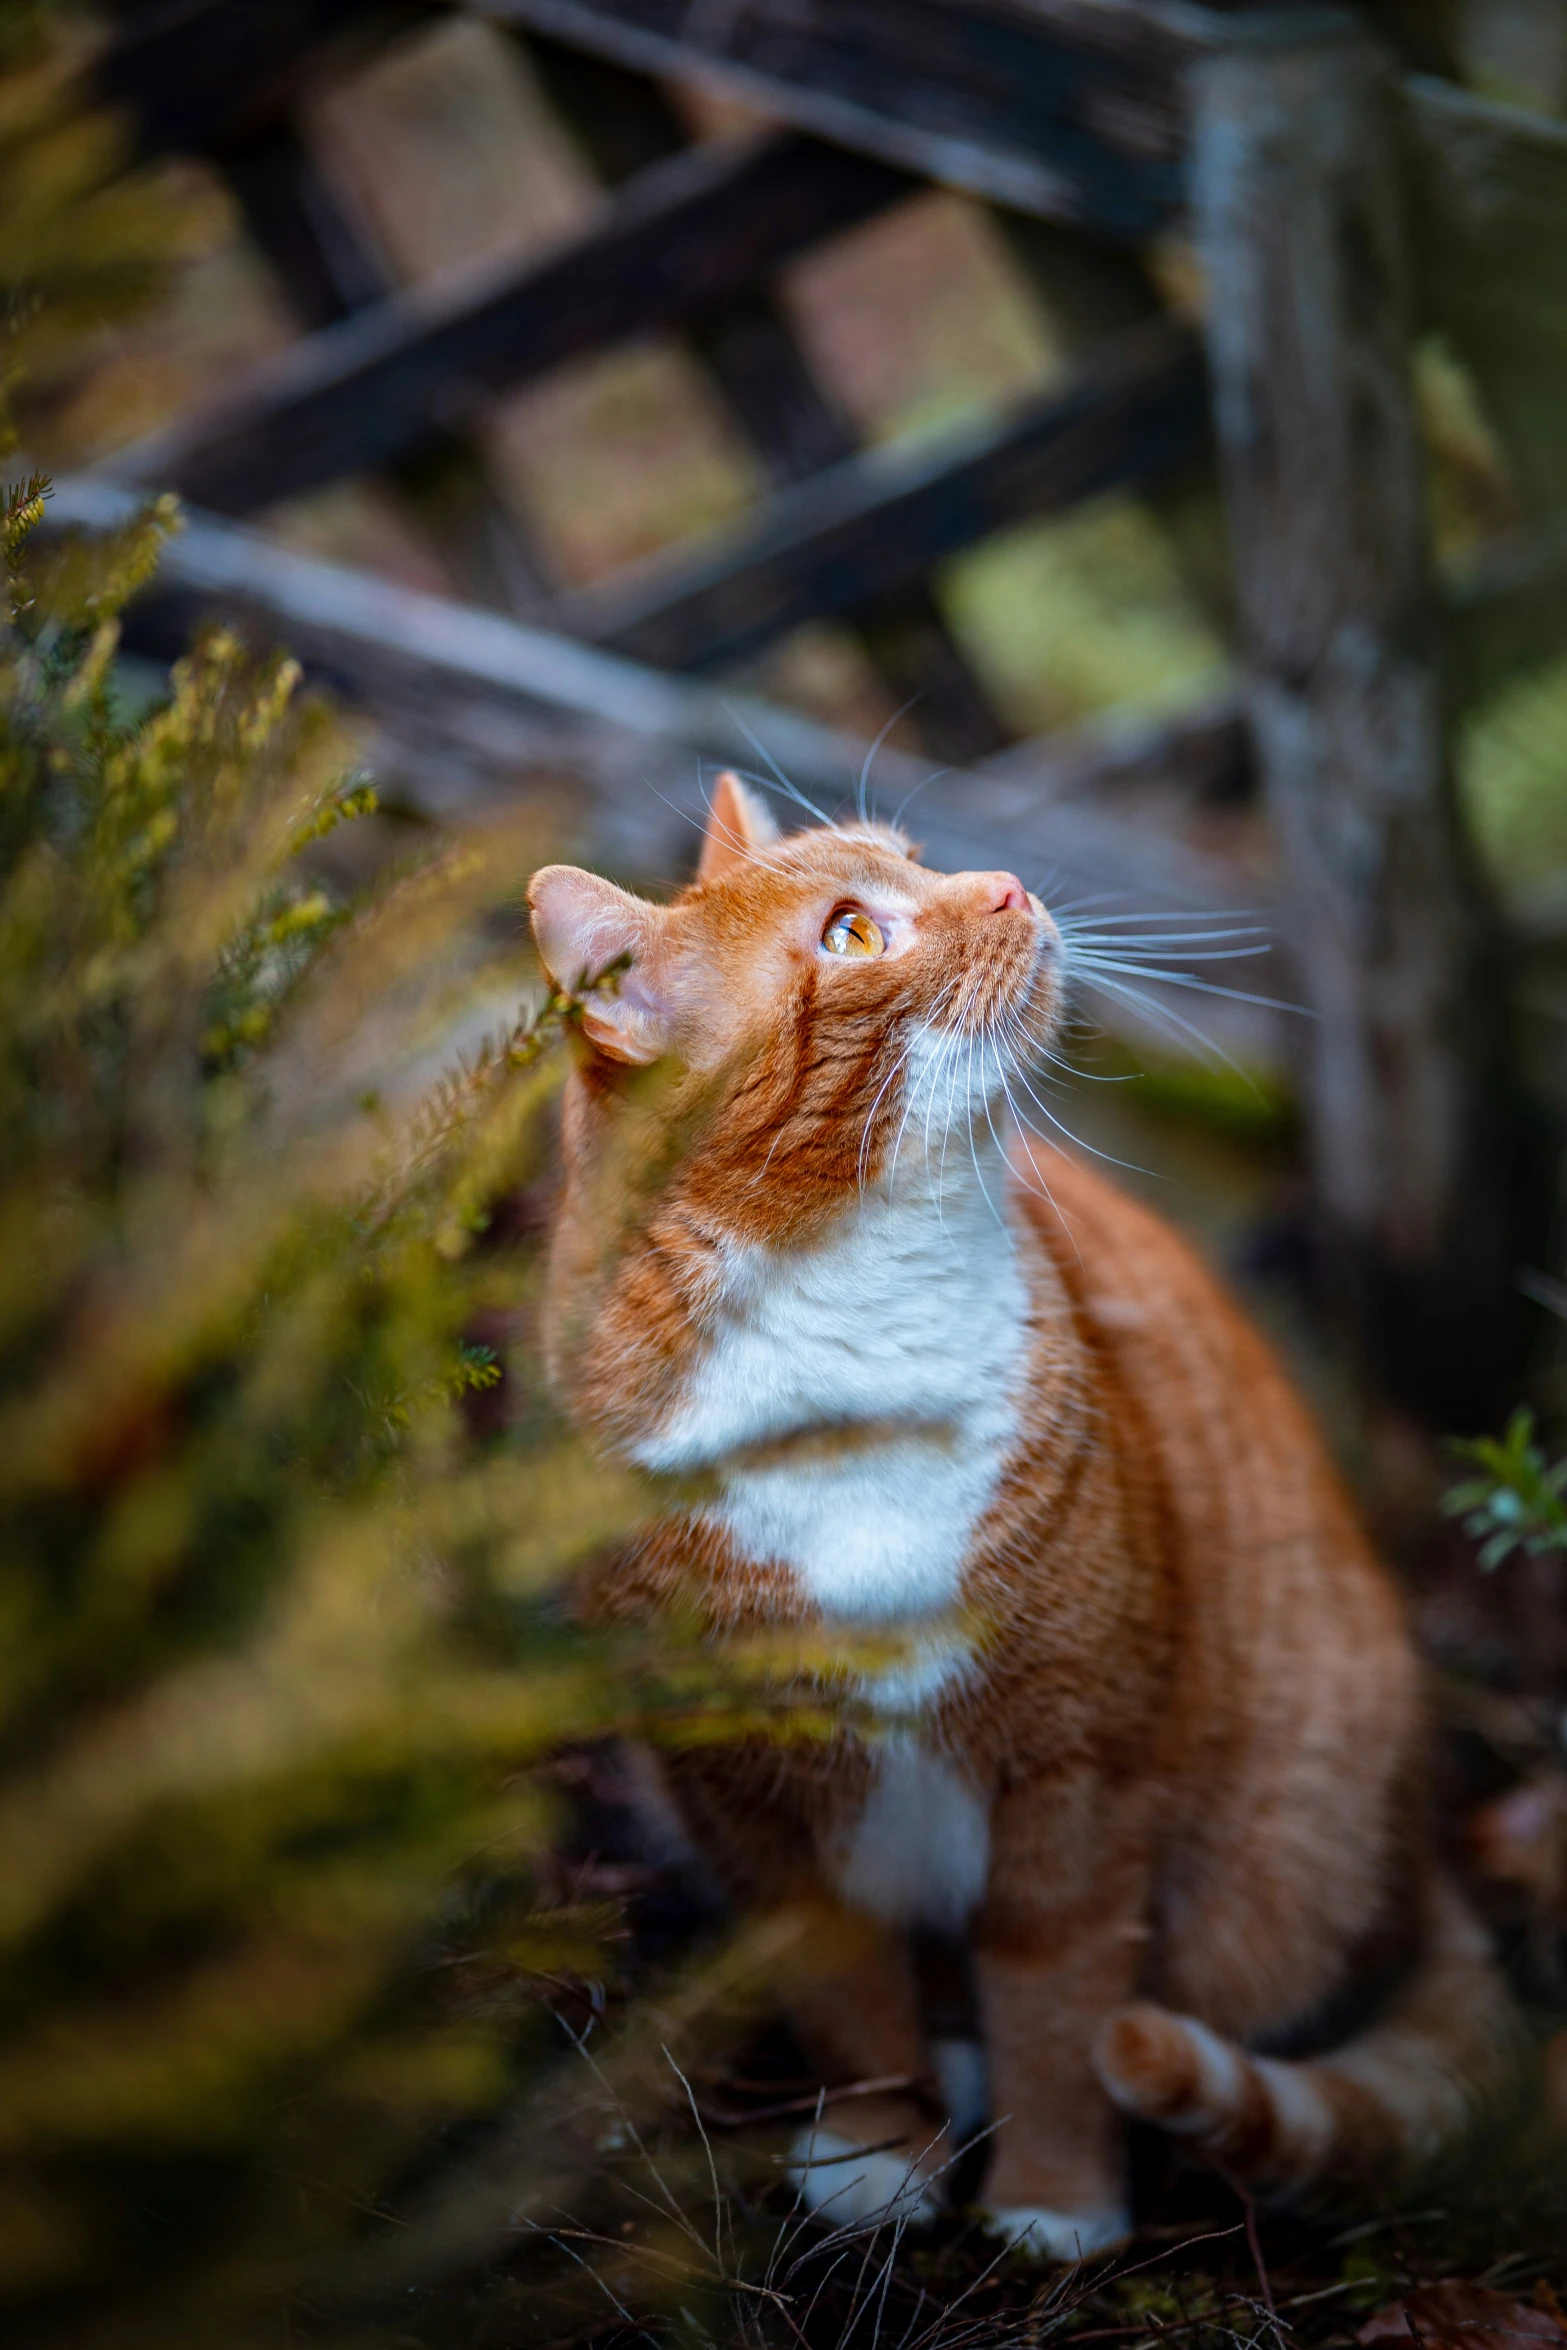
pixel 973 1151
pixel 900 1063
pixel 918 1032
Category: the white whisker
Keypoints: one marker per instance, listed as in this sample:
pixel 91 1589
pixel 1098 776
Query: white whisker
pixel 1243 919
pixel 1171 1021
pixel 1061 915
pixel 1033 1181
pixel 1094 966
pixel 1195 946
pixel 950 1053
pixel 865 770
pixel 1019 1049
pixel 934 776
pixel 990 1122
pixel 900 1062
pixel 793 791
pixel 1077 1140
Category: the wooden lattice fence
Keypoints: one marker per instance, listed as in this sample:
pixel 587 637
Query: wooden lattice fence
pixel 1337 205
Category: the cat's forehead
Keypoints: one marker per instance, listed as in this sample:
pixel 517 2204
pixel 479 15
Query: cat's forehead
pixel 845 854
pixel 868 857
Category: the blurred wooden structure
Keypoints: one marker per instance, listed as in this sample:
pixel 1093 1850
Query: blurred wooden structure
pixel 1337 207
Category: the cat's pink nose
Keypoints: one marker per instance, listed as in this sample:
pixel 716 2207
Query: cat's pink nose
pixel 1005 890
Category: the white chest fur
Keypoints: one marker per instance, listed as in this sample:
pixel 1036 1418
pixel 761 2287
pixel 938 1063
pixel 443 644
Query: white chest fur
pixel 906 1330
pixel 919 1851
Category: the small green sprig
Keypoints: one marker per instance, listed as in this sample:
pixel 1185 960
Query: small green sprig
pixel 1517 1503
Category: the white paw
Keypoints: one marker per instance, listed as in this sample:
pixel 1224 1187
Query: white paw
pixel 1056 2235
pixel 845 2184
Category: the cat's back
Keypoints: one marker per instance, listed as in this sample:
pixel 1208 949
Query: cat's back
pixel 1293 1735
pixel 1265 1540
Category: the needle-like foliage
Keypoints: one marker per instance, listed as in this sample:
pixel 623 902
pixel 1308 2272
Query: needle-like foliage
pixel 280 1637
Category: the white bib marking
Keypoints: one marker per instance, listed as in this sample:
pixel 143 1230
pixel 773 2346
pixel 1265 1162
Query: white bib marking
pixel 913 1311
pixel 919 1853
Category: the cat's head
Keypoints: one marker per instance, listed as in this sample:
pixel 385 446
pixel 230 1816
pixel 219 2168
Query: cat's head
pixel 809 1000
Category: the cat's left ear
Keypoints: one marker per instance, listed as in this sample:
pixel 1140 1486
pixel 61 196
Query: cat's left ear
pixel 738 826
pixel 583 927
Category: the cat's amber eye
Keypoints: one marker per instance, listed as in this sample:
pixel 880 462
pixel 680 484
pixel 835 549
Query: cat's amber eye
pixel 853 933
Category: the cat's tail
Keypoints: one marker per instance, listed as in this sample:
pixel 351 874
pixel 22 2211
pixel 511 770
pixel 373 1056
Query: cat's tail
pixel 1446 2046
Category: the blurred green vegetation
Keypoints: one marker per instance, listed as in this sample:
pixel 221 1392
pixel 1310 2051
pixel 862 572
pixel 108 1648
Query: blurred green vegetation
pixel 1513 769
pixel 284 1660
pixel 282 1646
pixel 1516 1503
pixel 1067 619
pixel 83 241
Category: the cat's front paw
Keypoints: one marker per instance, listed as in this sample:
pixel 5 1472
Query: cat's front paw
pixel 854 2186
pixel 1056 2235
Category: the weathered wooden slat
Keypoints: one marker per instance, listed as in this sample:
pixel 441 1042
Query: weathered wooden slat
pixel 835 543
pixel 381 642
pixel 680 236
pixel 1201 758
pixel 323 259
pixel 1299 206
pixel 740 334
pixel 1067 108
pixel 1491 188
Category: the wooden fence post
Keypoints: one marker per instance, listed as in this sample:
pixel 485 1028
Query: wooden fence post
pixel 1299 207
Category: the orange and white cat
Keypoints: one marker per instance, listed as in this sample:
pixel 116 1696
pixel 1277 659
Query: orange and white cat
pixel 1153 1743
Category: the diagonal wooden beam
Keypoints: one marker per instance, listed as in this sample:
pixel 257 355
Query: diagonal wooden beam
pixel 835 543
pixel 679 237
pixel 1072 109
pixel 1067 108
pixel 316 247
pixel 749 348
pixel 221 78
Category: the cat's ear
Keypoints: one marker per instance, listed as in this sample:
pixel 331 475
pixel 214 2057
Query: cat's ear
pixel 738 826
pixel 582 927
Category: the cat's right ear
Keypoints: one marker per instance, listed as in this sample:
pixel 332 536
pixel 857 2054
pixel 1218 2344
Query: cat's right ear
pixel 582 927
pixel 738 826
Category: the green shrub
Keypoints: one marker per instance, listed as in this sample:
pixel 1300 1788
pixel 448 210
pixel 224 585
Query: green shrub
pixel 280 1635
pixel 1516 1503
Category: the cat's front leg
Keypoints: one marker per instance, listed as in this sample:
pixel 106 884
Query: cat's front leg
pixel 1057 1948
pixel 848 1980
pixel 854 2005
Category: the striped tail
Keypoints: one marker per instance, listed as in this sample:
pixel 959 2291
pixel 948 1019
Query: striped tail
pixel 1393 2099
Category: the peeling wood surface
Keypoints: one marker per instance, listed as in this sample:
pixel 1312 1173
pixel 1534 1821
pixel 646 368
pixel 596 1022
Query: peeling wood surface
pixel 1071 109
pixel 1300 212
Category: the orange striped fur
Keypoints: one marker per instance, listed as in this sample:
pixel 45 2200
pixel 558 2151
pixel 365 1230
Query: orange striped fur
pixel 1148 1733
